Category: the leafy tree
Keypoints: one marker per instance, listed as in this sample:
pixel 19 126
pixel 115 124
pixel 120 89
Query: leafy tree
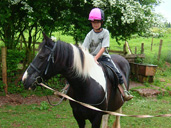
pixel 28 16
pixel 167 24
pixel 77 16
pixel 128 17
pixel 12 15
pixel 123 17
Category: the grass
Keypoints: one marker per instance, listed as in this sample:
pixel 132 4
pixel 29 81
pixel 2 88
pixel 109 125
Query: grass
pixel 37 116
pixel 150 106
pixel 46 116
pixel 151 56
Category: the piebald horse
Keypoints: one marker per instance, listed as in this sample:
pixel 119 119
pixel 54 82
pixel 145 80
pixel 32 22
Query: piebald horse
pixel 89 83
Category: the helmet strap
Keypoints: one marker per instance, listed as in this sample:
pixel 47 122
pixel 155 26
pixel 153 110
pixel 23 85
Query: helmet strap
pixel 100 26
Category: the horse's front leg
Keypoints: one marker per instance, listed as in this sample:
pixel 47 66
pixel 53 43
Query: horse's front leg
pixel 105 121
pixel 80 120
pixel 96 121
pixel 81 123
pixel 116 124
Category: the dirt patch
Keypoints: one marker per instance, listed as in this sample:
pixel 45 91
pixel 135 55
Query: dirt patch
pixel 168 64
pixel 148 92
pixel 134 84
pixel 16 125
pixel 17 99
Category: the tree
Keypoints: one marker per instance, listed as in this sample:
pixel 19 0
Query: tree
pixel 123 17
pixel 12 16
pixel 75 19
pixel 128 17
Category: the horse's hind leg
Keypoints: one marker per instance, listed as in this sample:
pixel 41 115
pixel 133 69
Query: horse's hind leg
pixel 116 124
pixel 105 121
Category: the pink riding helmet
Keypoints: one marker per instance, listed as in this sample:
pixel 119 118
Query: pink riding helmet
pixel 96 14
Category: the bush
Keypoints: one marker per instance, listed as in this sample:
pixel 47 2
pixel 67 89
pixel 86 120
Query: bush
pixel 168 30
pixel 14 57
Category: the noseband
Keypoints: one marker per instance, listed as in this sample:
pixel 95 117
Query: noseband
pixel 39 79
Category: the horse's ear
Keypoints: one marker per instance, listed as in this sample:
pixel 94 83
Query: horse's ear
pixel 45 37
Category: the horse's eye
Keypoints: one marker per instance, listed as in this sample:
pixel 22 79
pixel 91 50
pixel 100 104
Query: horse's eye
pixel 41 57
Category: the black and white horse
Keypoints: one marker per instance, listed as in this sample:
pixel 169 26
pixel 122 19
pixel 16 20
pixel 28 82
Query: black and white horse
pixel 88 81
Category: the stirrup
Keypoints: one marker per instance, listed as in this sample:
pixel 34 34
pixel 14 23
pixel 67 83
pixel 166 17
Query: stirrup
pixel 127 96
pixel 125 91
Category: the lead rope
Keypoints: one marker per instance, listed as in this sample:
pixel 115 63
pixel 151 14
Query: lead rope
pixel 63 91
pixel 97 109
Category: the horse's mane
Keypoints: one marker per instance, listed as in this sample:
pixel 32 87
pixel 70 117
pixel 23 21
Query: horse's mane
pixel 64 54
pixel 76 58
pixel 83 62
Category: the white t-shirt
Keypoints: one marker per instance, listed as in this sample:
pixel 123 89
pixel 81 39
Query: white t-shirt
pixel 95 41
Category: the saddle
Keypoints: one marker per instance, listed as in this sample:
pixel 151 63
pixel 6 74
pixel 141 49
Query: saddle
pixel 110 73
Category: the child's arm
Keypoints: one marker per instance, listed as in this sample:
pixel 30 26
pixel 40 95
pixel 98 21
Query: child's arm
pixel 99 54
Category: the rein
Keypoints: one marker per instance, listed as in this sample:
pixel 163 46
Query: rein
pixel 39 81
pixel 58 102
pixel 97 109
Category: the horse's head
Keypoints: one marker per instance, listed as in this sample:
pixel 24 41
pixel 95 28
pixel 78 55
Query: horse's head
pixel 40 66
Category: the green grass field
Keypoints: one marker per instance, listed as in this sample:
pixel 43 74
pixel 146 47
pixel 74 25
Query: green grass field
pixel 45 116
pixel 150 55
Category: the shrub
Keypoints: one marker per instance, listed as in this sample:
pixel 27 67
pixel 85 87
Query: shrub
pixel 14 57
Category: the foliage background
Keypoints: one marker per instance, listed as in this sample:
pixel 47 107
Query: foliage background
pixel 23 21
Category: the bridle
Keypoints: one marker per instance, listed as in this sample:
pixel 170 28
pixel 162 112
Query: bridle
pixel 50 59
pixel 39 79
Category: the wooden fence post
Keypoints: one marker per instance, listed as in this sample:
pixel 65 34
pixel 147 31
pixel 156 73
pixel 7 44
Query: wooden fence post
pixel 127 45
pixel 142 48
pixel 135 50
pixel 160 47
pixel 124 49
pixel 4 68
pixel 152 44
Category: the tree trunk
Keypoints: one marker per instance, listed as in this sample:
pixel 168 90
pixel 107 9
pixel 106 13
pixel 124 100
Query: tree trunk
pixel 4 69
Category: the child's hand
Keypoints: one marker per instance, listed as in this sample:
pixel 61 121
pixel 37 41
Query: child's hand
pixel 96 60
